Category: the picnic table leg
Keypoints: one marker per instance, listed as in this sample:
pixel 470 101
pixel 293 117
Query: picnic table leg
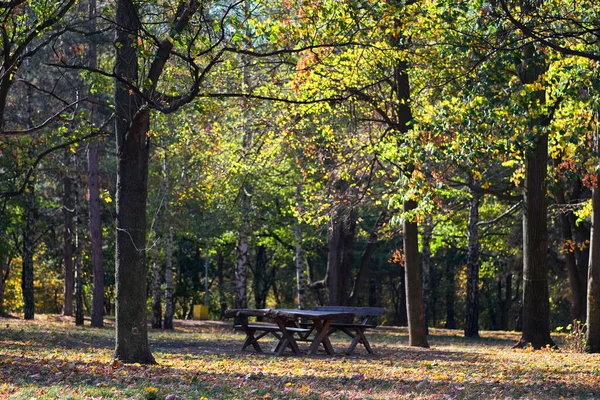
pixel 321 337
pixel 359 338
pixel 287 339
pixel 251 340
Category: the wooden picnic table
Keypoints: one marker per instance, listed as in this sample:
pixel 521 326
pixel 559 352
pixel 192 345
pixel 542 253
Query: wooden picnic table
pixel 287 325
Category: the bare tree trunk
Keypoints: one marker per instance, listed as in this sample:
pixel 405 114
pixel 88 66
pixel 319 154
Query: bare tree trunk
pixel 68 211
pixel 593 292
pixel 335 284
pixel 221 284
pixel 472 303
pixel 169 309
pixel 156 297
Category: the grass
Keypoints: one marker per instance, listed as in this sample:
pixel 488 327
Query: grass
pixel 50 358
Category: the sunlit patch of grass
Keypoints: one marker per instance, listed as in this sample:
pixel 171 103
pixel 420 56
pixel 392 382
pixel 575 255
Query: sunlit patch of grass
pixel 51 358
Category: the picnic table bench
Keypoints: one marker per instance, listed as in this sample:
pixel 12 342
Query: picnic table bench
pixel 355 330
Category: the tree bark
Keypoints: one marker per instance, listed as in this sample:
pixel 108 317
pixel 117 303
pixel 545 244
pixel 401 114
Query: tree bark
pixel 472 303
pixel 78 267
pixel 417 334
pixel 132 124
pixel 363 272
pixel 300 267
pixel 576 283
pixel 156 297
pixel 169 309
pixel 593 292
pixel 28 249
pixel 241 260
pixel 426 266
pixel 94 199
pixel 68 211
pixel 4 271
pixel 536 306
pixel 340 238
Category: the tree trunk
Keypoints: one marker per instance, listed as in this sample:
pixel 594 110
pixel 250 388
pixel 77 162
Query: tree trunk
pixel 472 301
pixel 68 211
pixel 593 292
pixel 506 302
pixel 156 297
pixel 169 309
pixel 94 199
pixel 536 305
pixel 28 249
pixel 417 334
pixel 426 266
pixel 450 296
pixel 241 260
pixel 300 267
pixel 221 286
pixel 133 143
pixel 78 267
pixel 336 286
pixel 4 271
pixel 363 272
pixel 261 282
pixel 573 269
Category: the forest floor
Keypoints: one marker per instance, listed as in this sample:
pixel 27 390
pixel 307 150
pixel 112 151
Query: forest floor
pixel 50 358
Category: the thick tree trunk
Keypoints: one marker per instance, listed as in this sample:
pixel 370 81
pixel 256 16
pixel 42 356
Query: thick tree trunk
pixel 536 305
pixel 132 124
pixel 68 211
pixel 169 309
pixel 417 334
pixel 28 249
pixel 593 291
pixel 261 281
pixel 472 303
pixel 94 199
pixel 156 297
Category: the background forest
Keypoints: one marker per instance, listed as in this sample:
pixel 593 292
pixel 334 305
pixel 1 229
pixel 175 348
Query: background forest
pixel 294 151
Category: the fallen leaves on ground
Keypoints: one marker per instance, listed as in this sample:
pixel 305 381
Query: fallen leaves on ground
pixel 51 358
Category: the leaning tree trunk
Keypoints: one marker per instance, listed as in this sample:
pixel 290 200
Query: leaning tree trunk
pixel 593 294
pixel 133 143
pixel 94 198
pixel 68 211
pixel 472 303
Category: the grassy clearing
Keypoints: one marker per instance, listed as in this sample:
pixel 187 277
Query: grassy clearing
pixel 51 358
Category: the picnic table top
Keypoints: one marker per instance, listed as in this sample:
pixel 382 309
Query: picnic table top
pixel 289 313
